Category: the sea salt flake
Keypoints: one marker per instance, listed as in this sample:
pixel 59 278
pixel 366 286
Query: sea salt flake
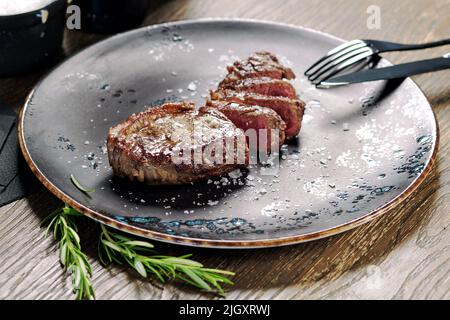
pixel 192 86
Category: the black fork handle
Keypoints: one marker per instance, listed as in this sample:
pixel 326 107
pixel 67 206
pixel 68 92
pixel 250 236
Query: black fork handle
pixel 385 46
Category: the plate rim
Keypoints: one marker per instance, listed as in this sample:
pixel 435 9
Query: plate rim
pixel 217 243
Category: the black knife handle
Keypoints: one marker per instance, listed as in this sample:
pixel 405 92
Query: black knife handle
pixel 386 46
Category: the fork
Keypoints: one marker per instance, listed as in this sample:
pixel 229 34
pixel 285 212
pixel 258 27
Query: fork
pixel 356 51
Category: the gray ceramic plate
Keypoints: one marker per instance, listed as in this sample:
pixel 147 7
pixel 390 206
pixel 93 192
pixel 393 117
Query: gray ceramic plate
pixel 361 151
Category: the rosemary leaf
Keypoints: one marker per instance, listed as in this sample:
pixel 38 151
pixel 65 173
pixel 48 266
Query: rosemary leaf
pixel 195 278
pixel 136 243
pixel 140 268
pixel 79 187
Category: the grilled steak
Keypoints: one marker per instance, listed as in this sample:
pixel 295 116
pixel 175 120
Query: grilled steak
pixel 262 81
pixel 252 119
pixel 290 110
pixel 174 144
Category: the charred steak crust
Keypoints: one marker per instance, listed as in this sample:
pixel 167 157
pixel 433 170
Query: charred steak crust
pixel 149 146
pixel 259 64
pixel 255 118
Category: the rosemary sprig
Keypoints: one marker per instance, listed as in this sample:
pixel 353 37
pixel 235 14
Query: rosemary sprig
pixel 61 224
pixel 140 256
pixel 114 247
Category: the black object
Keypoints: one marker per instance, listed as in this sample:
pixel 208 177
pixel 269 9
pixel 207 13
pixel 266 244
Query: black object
pixel 111 15
pixel 379 46
pixel 16 179
pixel 66 122
pixel 7 122
pixel 394 72
pixel 30 40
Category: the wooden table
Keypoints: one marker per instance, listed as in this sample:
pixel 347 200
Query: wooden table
pixel 405 254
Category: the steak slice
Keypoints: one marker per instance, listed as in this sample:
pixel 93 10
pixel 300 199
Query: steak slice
pixel 253 119
pixel 290 110
pixel 265 86
pixel 175 144
pixel 258 65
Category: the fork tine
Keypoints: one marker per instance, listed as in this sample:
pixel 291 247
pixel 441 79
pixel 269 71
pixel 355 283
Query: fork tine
pixel 345 45
pixel 341 56
pixel 333 52
pixel 325 68
pixel 344 66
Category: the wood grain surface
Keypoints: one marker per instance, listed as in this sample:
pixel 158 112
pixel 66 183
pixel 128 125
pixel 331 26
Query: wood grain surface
pixel 405 254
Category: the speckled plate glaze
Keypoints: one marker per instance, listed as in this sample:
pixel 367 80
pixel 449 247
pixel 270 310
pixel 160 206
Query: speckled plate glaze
pixel 362 150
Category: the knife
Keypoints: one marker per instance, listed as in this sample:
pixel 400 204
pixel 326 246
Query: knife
pixel 394 72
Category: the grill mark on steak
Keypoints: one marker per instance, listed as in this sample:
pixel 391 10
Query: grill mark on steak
pixel 264 86
pixel 256 118
pixel 149 146
pixel 290 110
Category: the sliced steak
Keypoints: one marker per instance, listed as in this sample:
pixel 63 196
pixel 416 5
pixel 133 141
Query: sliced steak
pixel 265 86
pixel 290 110
pixel 258 65
pixel 174 144
pixel 261 80
pixel 261 125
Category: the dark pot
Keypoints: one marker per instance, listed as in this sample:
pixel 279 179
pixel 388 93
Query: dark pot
pixel 111 15
pixel 30 40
